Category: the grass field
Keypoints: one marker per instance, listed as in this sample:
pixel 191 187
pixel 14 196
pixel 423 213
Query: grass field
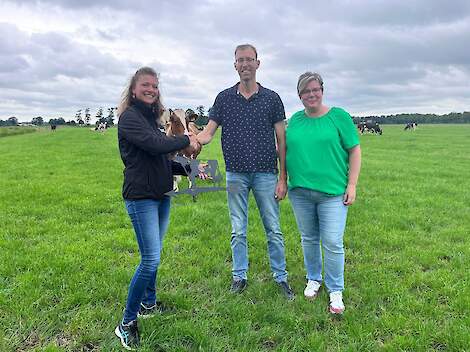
pixel 68 253
pixel 12 131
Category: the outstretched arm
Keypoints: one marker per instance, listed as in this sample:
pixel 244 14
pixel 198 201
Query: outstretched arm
pixel 138 132
pixel 208 133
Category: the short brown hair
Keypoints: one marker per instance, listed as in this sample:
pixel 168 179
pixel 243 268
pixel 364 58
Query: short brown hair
pixel 246 46
pixel 306 78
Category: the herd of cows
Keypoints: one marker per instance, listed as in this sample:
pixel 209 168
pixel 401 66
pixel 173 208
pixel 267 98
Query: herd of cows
pixel 371 126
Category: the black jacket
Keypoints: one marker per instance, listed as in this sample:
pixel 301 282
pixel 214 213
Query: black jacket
pixel 144 148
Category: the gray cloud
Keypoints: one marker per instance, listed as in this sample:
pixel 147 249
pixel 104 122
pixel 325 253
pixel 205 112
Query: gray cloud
pixel 50 71
pixel 376 56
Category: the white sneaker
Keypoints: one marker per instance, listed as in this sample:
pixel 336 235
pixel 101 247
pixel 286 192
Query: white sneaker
pixel 311 291
pixel 336 302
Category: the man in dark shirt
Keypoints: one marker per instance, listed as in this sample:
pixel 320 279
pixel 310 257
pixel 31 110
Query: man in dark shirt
pixel 250 116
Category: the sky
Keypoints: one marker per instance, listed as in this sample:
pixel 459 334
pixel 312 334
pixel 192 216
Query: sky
pixel 376 57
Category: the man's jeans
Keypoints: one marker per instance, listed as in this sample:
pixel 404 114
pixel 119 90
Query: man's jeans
pixel 150 220
pixel 322 217
pixel 263 186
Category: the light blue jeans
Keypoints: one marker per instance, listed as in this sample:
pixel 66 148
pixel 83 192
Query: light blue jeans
pixel 263 186
pixel 321 217
pixel 150 220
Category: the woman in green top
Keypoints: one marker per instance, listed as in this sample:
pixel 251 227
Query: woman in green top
pixel 323 163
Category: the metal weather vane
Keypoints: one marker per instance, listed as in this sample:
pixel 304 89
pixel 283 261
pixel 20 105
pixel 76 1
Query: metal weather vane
pixel 211 169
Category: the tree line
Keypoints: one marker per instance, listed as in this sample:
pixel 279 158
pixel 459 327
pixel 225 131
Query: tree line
pixel 453 117
pixel 83 118
pixel 80 119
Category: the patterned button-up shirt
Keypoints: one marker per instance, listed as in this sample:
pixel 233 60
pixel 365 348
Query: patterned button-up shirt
pixel 248 141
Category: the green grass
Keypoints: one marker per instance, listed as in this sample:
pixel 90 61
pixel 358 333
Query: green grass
pixel 68 253
pixel 12 131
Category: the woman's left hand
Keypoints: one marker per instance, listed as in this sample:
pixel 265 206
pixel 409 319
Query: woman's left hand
pixel 350 195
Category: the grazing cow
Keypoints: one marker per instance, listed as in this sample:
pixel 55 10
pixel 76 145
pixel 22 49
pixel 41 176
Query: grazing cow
pixel 53 127
pixel 411 126
pixel 101 127
pixel 369 126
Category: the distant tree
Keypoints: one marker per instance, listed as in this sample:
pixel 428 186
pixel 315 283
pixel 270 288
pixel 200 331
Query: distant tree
pixel 12 121
pixel 87 116
pixel 200 110
pixel 201 121
pixel 99 115
pixel 110 117
pixel 71 123
pixel 38 121
pixel 59 121
pixel 78 117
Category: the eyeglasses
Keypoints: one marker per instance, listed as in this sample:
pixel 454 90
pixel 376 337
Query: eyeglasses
pixel 248 60
pixel 308 91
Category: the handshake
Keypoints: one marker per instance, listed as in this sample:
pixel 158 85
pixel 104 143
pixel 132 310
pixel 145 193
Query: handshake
pixel 194 147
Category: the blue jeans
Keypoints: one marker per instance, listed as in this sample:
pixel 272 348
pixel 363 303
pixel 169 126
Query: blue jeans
pixel 150 220
pixel 263 186
pixel 321 217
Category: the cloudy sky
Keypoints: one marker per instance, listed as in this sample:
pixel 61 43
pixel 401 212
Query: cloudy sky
pixel 376 57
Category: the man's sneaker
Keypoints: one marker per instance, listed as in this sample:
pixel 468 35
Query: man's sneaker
pixel 238 286
pixel 150 311
pixel 286 290
pixel 129 335
pixel 312 288
pixel 336 302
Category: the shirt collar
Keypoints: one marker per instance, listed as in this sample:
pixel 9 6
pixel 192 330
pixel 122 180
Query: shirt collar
pixel 234 89
pixel 147 110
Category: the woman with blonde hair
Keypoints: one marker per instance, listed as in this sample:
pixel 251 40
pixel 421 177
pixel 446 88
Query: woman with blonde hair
pixel 323 163
pixel 148 176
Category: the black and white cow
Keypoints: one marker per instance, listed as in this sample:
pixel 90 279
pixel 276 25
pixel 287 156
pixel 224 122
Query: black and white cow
pixel 411 126
pixel 369 126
